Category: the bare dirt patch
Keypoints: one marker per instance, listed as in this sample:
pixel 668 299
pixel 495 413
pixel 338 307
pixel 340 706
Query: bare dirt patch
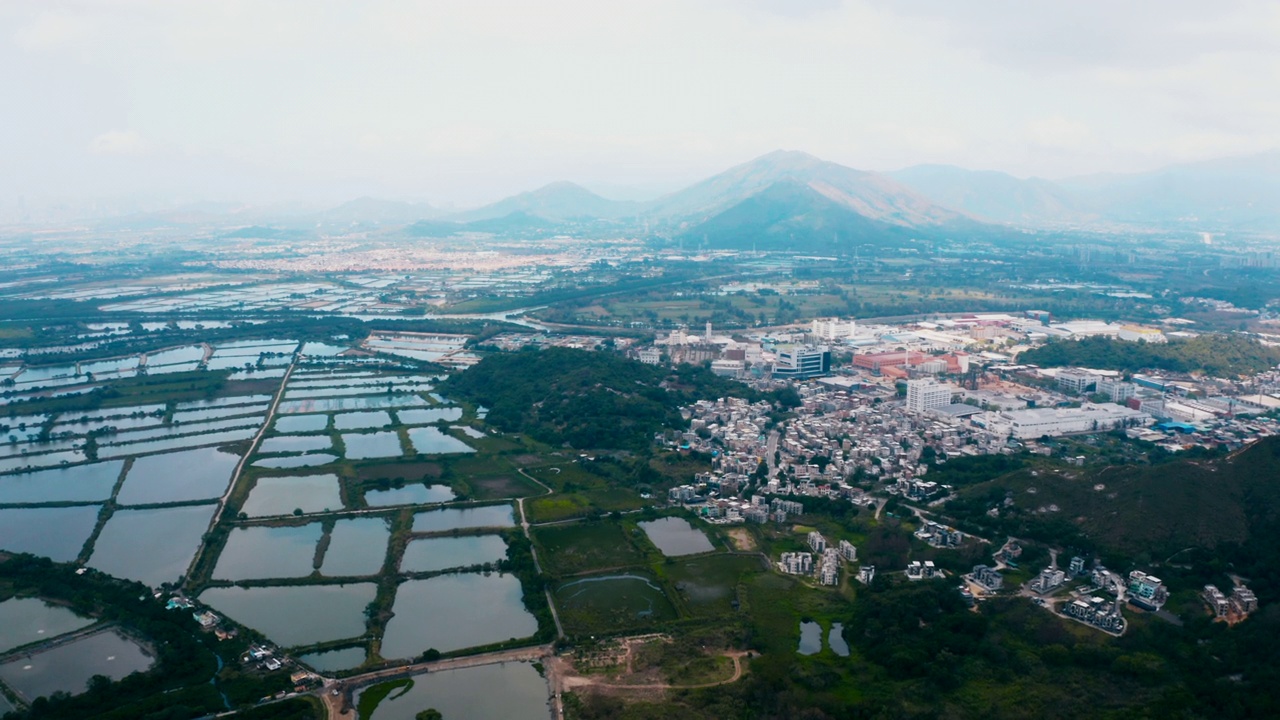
pixel 741 538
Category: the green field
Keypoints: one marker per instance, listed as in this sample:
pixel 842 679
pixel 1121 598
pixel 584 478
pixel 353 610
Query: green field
pixel 585 546
pixel 612 604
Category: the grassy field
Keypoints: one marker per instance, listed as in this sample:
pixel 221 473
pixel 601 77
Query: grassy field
pixel 585 546
pixel 709 584
pixel 612 604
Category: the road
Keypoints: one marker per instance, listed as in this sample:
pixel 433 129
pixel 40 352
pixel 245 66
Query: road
pixel 235 476
pixel 770 448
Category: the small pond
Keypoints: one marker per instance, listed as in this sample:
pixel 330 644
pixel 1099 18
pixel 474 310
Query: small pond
pixel 335 660
pixel 675 537
pixel 810 638
pixel 411 494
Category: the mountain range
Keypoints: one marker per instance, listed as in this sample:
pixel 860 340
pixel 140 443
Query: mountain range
pixel 790 199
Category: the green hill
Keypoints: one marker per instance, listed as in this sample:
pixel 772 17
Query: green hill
pixel 1228 505
pixel 1217 355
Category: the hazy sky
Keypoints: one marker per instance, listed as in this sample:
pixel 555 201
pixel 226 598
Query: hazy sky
pixel 467 101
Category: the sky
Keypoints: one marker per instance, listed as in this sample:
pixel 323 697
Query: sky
pixel 463 102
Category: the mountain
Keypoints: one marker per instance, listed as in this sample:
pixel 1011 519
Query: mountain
pixel 367 210
pixel 790 215
pixel 1240 193
pixel 558 201
pixel 871 195
pixel 995 196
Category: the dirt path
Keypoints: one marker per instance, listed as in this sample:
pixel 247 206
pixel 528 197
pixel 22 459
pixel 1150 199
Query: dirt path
pixel 571 682
pixel 235 476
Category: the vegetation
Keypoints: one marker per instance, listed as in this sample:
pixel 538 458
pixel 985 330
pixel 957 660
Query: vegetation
pixel 585 399
pixel 1216 355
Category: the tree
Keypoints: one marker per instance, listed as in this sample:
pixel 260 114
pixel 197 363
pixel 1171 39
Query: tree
pixel 429 714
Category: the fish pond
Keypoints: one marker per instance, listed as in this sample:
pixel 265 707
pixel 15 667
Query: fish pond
pixel 413 494
pixel 151 546
pixel 511 691
pixel 301 423
pixel 361 446
pixel 452 612
pixel 333 612
pixel 357 546
pixel 461 518
pixel 443 553
pixel 78 483
pixel 295 444
pixel 178 477
pixel 68 668
pixel 430 441
pixel 58 533
pixel 27 620
pixel 268 552
pixel 282 495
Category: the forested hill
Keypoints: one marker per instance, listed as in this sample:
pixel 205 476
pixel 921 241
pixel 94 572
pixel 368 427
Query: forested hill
pixel 1217 355
pixel 586 399
pixel 1225 510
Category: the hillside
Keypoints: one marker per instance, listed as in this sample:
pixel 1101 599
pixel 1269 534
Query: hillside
pixel 1230 505
pixel 1216 355
pixel 585 399
pixel 792 216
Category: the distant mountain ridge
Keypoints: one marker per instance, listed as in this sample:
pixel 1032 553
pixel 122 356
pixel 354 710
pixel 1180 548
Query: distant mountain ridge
pixel 996 196
pixel 560 201
pixel 809 201
pixel 1239 193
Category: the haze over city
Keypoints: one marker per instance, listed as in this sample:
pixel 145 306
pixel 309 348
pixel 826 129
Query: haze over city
pixel 461 103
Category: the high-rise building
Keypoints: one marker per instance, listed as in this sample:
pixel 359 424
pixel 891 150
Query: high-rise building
pixel 927 394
